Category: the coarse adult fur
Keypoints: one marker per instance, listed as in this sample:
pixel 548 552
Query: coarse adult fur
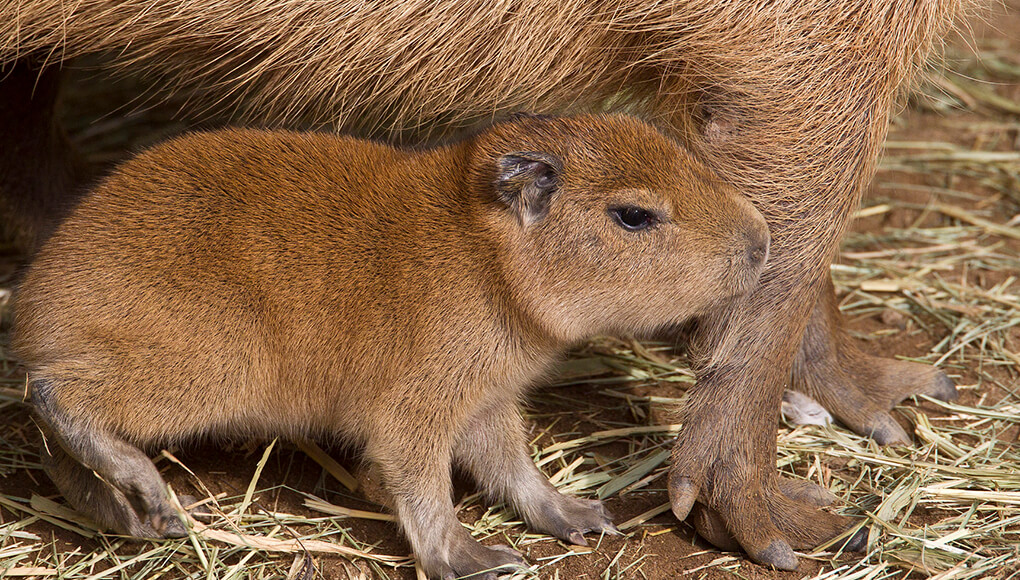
pixel 788 101
pixel 277 283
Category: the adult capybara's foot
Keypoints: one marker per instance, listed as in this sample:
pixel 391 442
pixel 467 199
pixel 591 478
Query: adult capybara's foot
pixel 859 389
pixel 801 497
pixel 734 503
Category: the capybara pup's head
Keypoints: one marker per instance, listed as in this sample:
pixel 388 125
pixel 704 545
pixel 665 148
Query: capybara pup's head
pixel 624 236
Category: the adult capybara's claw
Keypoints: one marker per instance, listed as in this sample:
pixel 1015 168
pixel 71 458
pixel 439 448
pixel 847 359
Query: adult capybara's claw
pixel 682 494
pixel 778 554
pixel 793 516
pixel 805 491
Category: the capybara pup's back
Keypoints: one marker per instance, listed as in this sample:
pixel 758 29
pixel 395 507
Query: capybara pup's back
pixel 254 283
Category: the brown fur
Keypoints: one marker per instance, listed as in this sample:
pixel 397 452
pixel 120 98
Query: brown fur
pixel 265 284
pixel 788 101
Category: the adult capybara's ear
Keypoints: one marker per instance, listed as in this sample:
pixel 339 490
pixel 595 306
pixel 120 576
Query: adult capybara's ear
pixel 526 181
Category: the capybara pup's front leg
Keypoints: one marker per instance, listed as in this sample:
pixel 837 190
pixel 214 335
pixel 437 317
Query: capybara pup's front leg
pixel 415 467
pixel 104 476
pixel 493 449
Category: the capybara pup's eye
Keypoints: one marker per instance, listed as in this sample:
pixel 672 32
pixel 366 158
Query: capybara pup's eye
pixel 633 218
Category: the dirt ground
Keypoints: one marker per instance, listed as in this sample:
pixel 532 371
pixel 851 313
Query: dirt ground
pixel 38 538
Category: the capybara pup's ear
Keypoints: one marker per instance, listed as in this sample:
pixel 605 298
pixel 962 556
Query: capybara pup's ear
pixel 526 182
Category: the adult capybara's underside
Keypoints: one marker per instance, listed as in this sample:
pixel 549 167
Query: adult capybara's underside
pixel 789 101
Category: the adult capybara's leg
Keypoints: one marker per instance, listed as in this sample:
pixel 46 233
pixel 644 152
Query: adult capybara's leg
pixel 493 449
pixel 39 169
pixel 724 457
pixel 857 388
pixel 795 118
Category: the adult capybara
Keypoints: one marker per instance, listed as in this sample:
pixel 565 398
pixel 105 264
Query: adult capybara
pixel 277 283
pixel 788 101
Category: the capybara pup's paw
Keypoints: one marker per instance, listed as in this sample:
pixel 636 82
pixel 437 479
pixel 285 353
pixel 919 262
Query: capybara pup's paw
pixel 573 517
pixel 474 561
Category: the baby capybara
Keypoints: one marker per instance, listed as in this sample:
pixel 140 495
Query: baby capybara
pixel 256 283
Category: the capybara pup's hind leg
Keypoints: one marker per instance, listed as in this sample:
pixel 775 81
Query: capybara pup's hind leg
pixel 93 497
pixel 104 476
pixel 493 449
